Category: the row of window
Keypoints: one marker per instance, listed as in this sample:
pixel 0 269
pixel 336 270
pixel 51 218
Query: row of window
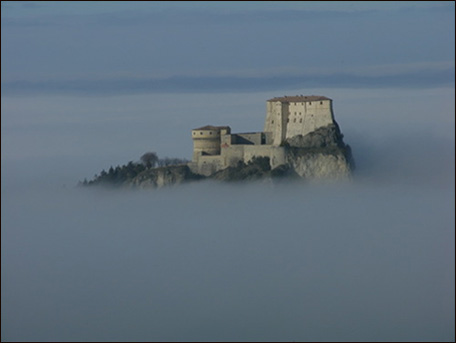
pixel 310 103
pixel 201 133
pixel 295 113
pixel 294 120
pixel 288 120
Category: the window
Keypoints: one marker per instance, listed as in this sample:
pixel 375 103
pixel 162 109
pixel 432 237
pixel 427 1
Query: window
pixel 321 102
pixel 288 120
pixel 272 122
pixel 294 121
pixel 310 103
pixel 300 120
pixel 201 133
pixel 210 133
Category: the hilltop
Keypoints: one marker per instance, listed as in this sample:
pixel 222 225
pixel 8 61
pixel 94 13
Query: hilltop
pixel 301 139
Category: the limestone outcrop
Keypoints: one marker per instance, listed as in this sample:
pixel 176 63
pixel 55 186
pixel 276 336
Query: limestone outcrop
pixel 331 165
pixel 163 176
pixel 326 136
pixel 321 154
pixel 301 139
pixel 256 169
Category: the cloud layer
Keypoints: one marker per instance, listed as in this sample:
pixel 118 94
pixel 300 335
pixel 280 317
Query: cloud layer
pixel 182 50
pixel 208 84
pixel 207 262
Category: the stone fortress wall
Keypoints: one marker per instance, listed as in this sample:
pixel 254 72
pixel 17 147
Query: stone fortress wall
pixel 216 148
pixel 297 115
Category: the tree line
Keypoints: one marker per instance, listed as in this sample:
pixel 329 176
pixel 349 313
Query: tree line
pixel 122 173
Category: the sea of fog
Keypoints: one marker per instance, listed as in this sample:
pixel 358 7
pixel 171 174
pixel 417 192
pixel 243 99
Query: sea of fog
pixel 366 260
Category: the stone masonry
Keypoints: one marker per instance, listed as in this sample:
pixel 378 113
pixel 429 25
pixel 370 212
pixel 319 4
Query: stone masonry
pixel 216 148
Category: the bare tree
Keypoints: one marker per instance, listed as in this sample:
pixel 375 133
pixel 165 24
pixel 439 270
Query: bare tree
pixel 149 159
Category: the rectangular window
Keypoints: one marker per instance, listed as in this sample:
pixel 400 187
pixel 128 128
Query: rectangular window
pixel 321 102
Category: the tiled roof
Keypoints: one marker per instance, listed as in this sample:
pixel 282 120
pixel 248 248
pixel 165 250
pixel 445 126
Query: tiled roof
pixel 299 98
pixel 210 127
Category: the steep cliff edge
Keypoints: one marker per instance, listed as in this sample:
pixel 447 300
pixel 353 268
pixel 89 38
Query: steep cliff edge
pixel 321 154
pixel 323 137
pixel 324 165
pixel 258 168
pixel 164 176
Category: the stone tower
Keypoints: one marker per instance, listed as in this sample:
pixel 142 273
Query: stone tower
pixel 206 140
pixel 290 116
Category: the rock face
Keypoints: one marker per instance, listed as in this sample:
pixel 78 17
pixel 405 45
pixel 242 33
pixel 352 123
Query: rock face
pixel 257 168
pixel 163 176
pixel 327 136
pixel 310 165
pixel 321 154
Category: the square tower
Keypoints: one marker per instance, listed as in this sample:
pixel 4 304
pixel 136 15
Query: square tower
pixel 289 116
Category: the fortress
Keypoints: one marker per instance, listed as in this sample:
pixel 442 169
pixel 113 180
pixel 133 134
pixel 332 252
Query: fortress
pixel 301 139
pixel 216 148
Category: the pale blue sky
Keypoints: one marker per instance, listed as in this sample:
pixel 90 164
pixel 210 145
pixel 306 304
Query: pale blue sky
pixel 31 8
pixel 168 67
pixel 140 47
pixel 60 59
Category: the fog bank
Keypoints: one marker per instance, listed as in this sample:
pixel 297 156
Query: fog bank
pixel 365 260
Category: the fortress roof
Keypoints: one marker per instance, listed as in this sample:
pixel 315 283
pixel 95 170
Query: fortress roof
pixel 299 98
pixel 210 127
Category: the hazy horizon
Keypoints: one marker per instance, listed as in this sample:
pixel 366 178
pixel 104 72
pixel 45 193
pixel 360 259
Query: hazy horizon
pixel 86 86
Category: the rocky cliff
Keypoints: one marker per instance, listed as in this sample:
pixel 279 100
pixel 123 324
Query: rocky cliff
pixel 163 176
pixel 319 155
pixel 258 168
pixel 334 165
